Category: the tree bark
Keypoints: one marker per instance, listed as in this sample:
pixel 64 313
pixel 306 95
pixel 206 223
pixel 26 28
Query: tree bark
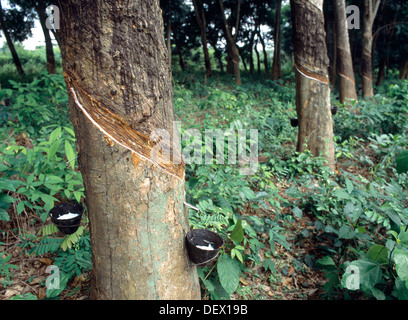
pixel 232 47
pixel 116 68
pixel 276 64
pixel 315 128
pixel 347 84
pixel 10 44
pixel 40 9
pixel 169 42
pixel 370 11
pixel 202 24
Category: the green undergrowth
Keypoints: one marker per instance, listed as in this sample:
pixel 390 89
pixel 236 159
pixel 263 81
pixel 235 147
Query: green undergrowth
pixel 353 220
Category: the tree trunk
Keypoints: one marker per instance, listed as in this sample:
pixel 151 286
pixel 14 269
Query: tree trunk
pixel 10 44
pixel 276 65
pixel 40 9
pixel 381 71
pixel 403 73
pixel 370 11
pixel 315 131
pixel 202 24
pixel 258 59
pixel 169 42
pixel 347 84
pixel 179 52
pixel 116 68
pixel 265 55
pixel 232 47
pixel 251 54
pixel 333 64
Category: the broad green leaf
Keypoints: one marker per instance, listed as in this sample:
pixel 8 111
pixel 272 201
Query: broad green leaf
pixel 346 232
pixel 378 294
pixel 247 193
pixel 237 233
pixel 54 135
pixel 20 207
pixel 63 280
pixel 238 254
pixel 53 179
pixel 24 296
pixel 402 162
pixel 297 212
pixel 401 263
pixel 53 149
pixel 377 253
pixel 4 216
pixel 69 152
pixel 77 196
pixel 340 193
pixel 403 238
pixel 325 263
pixel 7 185
pixel 349 185
pixel 228 273
pixel 401 289
pixel 369 272
pixel 70 131
pixel 30 179
pixel 6 198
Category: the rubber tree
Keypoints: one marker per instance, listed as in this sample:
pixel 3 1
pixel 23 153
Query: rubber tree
pixel 370 11
pixel 276 64
pixel 115 64
pixel 315 127
pixel 232 48
pixel 16 26
pixel 202 25
pixel 347 84
pixel 40 7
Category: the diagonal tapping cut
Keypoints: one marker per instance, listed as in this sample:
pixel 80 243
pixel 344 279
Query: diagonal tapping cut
pixel 121 132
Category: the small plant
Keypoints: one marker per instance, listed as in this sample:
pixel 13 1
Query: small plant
pixel 5 267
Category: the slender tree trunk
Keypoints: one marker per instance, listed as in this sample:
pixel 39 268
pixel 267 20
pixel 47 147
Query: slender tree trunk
pixel 381 71
pixel 370 11
pixel 251 54
pixel 179 52
pixel 258 58
pixel 347 84
pixel 315 128
pixel 386 48
pixel 116 68
pixel 10 44
pixel 403 73
pixel 276 65
pixel 265 55
pixel 202 24
pixel 40 9
pixel 232 47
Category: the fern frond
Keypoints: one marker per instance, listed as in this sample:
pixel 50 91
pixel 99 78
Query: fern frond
pixel 48 230
pixel 72 239
pixel 48 245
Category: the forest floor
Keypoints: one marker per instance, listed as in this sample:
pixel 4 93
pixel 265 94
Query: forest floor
pixel 296 282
